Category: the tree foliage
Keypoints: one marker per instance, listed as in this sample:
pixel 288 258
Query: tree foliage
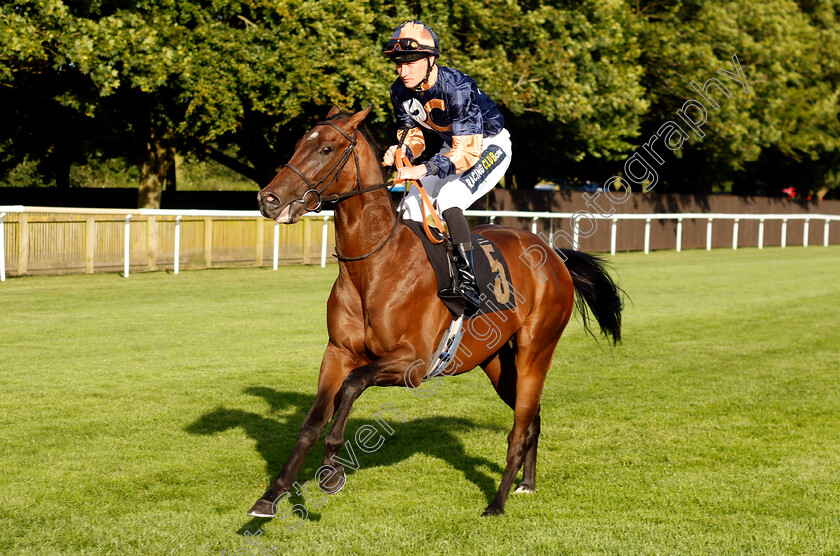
pixel 789 118
pixel 582 84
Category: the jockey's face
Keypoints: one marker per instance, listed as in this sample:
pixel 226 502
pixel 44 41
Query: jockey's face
pixel 412 73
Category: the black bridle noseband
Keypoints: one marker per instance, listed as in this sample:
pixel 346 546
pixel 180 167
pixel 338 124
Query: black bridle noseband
pixel 331 177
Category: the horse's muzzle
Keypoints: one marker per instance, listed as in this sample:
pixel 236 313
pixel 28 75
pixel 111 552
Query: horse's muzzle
pixel 269 204
pixel 272 207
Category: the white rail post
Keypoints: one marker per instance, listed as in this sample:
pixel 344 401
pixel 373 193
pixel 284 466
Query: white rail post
pixel 534 225
pixel 647 236
pixel 576 234
pixel 3 246
pixel 276 249
pixel 761 233
pixel 825 231
pixel 177 243
pixel 613 234
pixel 679 234
pixel 493 219
pixel 709 234
pixel 735 233
pixel 784 233
pixel 127 247
pixel 806 229
pixel 324 231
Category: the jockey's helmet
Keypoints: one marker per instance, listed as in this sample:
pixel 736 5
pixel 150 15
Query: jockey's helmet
pixel 411 41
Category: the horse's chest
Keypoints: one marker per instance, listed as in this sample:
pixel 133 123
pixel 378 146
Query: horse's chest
pixel 381 337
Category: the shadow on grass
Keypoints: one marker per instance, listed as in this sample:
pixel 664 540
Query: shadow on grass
pixel 275 436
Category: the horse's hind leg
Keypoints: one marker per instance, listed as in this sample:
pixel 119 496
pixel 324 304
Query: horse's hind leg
pixel 501 370
pixel 531 367
pixel 528 484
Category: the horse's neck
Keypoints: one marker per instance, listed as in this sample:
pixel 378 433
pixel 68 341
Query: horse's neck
pixel 363 223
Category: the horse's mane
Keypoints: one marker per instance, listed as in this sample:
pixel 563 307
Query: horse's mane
pixel 374 144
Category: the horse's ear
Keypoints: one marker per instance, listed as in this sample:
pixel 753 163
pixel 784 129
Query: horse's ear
pixel 359 117
pixel 333 111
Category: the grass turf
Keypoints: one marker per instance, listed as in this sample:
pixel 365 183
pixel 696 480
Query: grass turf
pixel 146 415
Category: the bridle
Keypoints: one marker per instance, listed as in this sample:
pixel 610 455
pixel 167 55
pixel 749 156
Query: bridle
pixel 332 175
pixel 321 200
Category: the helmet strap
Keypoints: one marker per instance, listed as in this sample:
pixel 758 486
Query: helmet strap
pixel 429 66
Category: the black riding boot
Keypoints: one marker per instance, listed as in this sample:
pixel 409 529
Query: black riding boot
pixel 465 284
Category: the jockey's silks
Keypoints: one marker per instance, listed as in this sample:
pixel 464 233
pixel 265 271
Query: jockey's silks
pixel 454 108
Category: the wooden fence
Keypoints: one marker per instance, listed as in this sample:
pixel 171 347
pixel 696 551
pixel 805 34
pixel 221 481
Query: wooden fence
pixel 62 241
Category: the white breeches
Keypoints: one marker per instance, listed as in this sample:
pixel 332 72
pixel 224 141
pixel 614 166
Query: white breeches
pixel 462 190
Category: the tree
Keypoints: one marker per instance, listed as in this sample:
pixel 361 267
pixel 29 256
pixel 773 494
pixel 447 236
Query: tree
pixel 240 82
pixel 99 77
pixel 791 112
pixel 582 84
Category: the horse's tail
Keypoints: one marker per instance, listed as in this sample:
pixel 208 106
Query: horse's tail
pixel 596 291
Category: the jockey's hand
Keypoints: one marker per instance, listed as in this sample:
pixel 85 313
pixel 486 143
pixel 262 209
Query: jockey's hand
pixel 410 173
pixel 388 159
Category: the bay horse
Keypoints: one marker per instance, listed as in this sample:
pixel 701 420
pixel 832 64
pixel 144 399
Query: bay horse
pixel 384 314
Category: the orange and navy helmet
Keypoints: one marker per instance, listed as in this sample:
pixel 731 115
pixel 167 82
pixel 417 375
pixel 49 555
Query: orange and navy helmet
pixel 411 41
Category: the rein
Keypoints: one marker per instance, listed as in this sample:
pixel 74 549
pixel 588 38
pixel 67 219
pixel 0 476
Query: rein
pixel 425 202
pixel 335 199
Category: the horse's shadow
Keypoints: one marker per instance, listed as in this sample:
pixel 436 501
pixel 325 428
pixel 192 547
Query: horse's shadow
pixel 275 436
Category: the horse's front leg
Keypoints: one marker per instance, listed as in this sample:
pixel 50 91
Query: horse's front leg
pixel 387 371
pixel 335 367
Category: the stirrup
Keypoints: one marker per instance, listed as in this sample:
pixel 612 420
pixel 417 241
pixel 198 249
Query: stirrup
pixel 448 347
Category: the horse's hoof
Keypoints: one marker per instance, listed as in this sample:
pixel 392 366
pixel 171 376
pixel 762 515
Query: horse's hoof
pixel 335 482
pixel 492 511
pixel 524 490
pixel 263 508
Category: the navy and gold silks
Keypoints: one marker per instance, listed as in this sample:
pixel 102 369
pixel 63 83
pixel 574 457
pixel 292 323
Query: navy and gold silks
pixel 454 108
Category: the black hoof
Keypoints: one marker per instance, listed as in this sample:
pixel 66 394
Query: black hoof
pixel 491 510
pixel 263 508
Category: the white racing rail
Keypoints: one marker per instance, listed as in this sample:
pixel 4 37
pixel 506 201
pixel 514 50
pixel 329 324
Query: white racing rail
pixel 535 217
pixel 679 217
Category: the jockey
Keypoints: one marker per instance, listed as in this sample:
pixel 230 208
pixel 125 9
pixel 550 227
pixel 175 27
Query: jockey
pixel 476 150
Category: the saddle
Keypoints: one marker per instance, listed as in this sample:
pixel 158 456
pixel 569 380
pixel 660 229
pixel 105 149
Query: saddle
pixel 491 269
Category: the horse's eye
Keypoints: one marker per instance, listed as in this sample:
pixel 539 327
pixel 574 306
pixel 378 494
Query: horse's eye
pixel 326 150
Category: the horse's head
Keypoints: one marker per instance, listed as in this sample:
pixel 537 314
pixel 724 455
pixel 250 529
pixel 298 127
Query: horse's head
pixel 317 168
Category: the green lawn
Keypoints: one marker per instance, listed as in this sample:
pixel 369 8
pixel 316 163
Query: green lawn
pixel 145 416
